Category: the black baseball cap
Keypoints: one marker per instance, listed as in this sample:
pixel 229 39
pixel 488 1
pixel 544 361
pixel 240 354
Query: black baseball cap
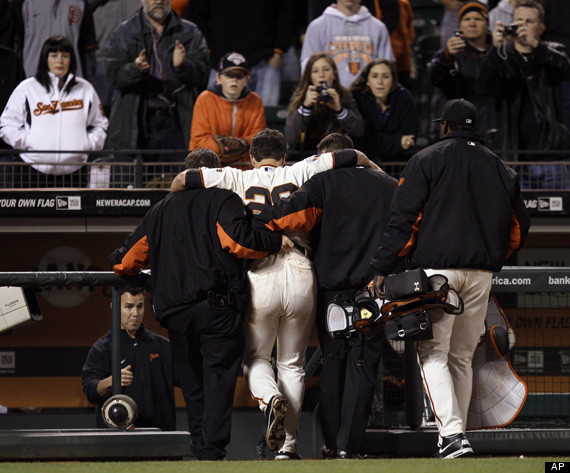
pixel 231 61
pixel 459 111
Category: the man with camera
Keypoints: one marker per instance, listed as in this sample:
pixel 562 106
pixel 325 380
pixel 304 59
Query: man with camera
pixel 454 69
pixel 524 73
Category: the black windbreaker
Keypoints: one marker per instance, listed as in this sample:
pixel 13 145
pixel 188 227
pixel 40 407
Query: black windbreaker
pixel 352 206
pixel 457 206
pixel 187 238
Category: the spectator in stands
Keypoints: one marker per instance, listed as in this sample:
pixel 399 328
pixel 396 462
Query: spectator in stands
pixel 37 20
pixel 524 73
pixel 351 35
pixel 557 21
pixel 54 110
pixel 386 10
pixel 388 111
pixel 320 105
pixel 147 374
pixel 107 15
pixel 157 62
pixel 261 30
pixel 455 68
pixel 502 12
pixel 228 115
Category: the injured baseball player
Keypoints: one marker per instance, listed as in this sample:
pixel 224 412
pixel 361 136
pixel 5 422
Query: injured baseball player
pixel 282 289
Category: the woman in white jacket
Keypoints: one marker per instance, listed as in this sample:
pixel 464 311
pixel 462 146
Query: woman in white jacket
pixel 54 110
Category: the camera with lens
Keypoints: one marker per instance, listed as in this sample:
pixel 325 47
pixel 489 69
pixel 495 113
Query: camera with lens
pixel 510 30
pixel 322 90
pixel 458 34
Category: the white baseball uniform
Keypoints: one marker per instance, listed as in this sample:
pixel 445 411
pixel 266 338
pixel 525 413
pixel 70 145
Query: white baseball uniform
pixel 283 290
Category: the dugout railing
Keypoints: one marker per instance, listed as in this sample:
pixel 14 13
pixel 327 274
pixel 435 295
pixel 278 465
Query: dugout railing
pixel 135 168
pixel 536 300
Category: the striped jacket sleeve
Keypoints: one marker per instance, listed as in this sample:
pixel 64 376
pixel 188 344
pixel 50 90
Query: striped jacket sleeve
pixel 134 255
pixel 302 210
pixel 239 234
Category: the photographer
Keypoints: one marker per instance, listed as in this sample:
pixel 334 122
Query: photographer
pixel 454 69
pixel 524 73
pixel 319 106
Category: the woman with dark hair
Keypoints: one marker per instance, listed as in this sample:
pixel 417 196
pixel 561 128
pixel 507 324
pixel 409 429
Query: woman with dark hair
pixel 54 110
pixel 388 110
pixel 319 106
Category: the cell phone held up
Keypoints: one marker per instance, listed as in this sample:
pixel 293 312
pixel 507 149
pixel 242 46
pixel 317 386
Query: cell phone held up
pixel 458 34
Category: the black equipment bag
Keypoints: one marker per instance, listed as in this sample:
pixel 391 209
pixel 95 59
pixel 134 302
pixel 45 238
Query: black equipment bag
pixel 413 326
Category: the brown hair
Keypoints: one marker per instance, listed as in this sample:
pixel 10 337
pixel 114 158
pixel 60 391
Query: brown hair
pixel 202 158
pixel 531 4
pixel 360 84
pixel 299 94
pixel 334 142
pixel 268 144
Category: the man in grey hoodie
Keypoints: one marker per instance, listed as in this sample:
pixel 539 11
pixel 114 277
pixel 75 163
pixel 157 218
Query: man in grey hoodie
pixel 351 35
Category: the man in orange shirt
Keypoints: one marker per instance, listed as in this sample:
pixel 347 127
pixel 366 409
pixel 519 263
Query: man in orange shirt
pixel 228 115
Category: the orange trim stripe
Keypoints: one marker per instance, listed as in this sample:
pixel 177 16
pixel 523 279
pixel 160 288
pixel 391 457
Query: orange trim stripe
pixel 515 241
pixel 428 390
pixel 228 243
pixel 413 237
pixel 259 399
pixel 302 220
pixel 134 260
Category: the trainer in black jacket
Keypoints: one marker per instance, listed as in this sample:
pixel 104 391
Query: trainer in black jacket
pixel 191 240
pixel 457 212
pixel 349 209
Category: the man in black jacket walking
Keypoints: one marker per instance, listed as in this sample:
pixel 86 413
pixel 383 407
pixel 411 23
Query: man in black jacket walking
pixel 192 241
pixel 347 236
pixel 457 212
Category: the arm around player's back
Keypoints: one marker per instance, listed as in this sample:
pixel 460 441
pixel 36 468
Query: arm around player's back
pixel 300 211
pixel 134 255
pixel 239 235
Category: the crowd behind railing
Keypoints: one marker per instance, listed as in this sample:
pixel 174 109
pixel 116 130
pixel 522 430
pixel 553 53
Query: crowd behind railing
pixel 158 85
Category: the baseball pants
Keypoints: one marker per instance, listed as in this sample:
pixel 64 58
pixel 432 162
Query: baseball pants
pixel 282 312
pixel 445 361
